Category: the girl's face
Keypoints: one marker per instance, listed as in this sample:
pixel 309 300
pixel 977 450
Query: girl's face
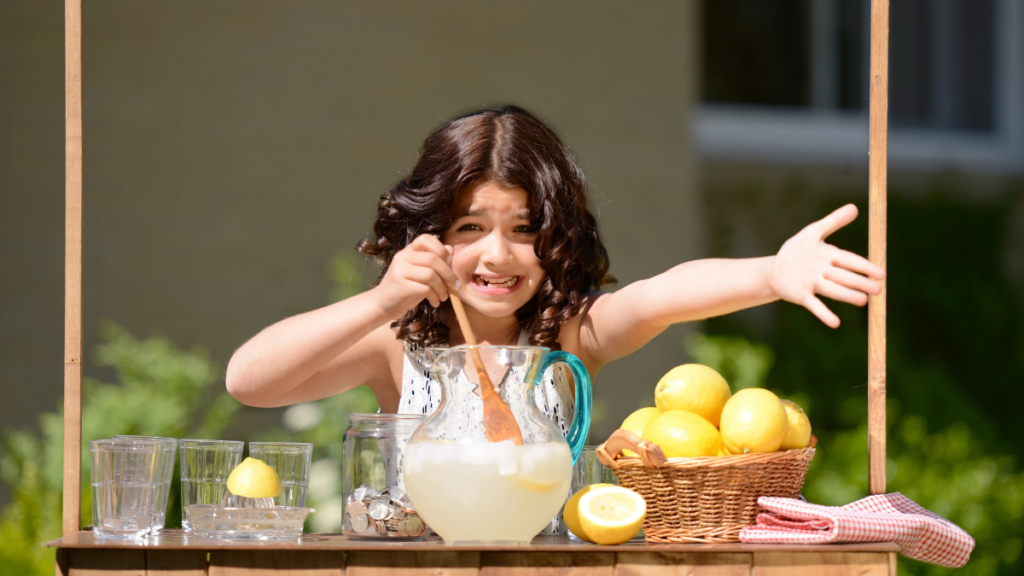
pixel 494 255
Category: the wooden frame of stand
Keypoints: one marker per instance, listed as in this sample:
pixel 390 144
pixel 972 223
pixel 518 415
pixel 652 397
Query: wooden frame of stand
pixel 81 554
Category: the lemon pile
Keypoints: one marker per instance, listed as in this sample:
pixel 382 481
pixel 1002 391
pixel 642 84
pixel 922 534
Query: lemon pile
pixel 698 415
pixel 254 479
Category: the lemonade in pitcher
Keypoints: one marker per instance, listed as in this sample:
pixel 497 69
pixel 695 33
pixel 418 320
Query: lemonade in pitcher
pixel 468 489
pixel 491 491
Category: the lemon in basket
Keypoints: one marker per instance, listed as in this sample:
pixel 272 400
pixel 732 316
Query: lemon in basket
pixel 571 513
pixel 636 422
pixel 695 388
pixel 754 420
pixel 799 434
pixel 254 479
pixel 682 434
pixel 611 514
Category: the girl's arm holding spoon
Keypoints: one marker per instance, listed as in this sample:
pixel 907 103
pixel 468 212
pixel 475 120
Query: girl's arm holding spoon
pixel 343 345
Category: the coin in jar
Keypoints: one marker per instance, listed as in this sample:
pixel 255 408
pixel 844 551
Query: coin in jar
pixel 380 509
pixel 357 507
pixel 359 523
pixel 414 526
pixel 400 530
pixel 382 528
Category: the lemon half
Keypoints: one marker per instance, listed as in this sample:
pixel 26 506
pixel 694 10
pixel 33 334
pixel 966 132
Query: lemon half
pixel 571 514
pixel 254 479
pixel 611 514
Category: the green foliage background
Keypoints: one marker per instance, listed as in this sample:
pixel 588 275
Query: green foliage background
pixel 161 391
pixel 955 373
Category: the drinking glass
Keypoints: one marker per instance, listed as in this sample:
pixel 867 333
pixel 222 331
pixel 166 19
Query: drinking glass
pixel 588 470
pixel 291 461
pixel 124 478
pixel 165 471
pixel 205 466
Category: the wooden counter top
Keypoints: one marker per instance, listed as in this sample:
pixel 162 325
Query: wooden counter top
pixel 175 554
pixel 178 540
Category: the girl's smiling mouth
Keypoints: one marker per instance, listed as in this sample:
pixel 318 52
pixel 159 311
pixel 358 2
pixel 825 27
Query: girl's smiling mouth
pixel 496 285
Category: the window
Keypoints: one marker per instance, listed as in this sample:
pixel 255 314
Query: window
pixel 787 79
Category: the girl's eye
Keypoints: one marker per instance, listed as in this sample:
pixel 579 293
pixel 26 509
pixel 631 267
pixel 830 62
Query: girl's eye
pixel 526 230
pixel 469 228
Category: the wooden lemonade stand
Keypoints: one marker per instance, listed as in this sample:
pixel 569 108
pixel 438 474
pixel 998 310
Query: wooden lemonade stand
pixel 80 553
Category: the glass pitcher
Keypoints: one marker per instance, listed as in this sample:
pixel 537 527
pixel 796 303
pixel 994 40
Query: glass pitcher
pixel 471 490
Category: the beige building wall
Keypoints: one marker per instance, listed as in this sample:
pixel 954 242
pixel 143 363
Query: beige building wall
pixel 233 147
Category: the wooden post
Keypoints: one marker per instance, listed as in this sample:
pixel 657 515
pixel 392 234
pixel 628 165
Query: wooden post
pixel 72 266
pixel 877 156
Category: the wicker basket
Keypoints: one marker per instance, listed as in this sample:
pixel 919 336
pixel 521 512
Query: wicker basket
pixel 702 499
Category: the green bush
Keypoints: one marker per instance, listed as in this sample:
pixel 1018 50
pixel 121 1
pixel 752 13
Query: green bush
pixel 955 334
pixel 161 391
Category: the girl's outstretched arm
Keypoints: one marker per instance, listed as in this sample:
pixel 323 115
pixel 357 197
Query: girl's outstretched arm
pixel 620 323
pixel 344 345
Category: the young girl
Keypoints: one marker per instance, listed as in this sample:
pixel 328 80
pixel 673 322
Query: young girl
pixel 496 209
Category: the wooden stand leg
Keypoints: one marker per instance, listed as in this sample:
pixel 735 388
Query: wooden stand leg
pixel 72 500
pixel 877 167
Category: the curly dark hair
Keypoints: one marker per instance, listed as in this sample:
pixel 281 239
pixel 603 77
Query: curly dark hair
pixel 512 148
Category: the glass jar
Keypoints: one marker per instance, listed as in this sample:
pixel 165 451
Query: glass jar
pixel 377 507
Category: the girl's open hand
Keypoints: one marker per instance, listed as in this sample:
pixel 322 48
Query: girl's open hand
pixel 421 270
pixel 806 266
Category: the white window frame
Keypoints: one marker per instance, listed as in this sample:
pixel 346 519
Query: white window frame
pixel 824 136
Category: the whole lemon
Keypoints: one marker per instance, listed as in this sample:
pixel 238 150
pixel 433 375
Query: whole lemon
pixel 254 479
pixel 754 420
pixel 799 434
pixel 694 388
pixel 636 422
pixel 571 513
pixel 683 434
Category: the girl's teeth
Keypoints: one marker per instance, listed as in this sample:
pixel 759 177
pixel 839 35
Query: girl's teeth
pixel 506 283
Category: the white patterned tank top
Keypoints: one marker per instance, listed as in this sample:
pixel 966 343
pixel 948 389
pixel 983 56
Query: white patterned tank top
pixel 421 391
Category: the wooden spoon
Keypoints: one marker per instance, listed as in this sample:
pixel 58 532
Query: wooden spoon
pixel 499 423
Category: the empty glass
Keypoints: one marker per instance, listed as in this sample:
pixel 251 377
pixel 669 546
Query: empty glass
pixel 124 487
pixel 291 461
pixel 164 474
pixel 205 467
pixel 588 470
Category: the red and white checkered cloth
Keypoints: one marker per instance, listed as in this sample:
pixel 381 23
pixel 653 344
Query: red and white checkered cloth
pixel 923 535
